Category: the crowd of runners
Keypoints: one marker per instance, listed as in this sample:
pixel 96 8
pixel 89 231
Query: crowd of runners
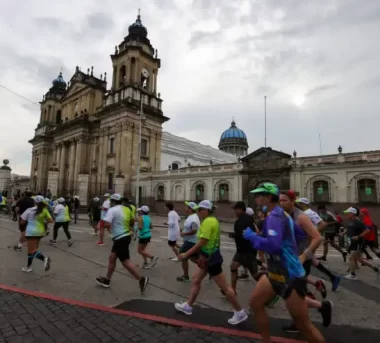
pixel 275 248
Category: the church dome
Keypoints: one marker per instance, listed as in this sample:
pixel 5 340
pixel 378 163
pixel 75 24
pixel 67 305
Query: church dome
pixel 234 141
pixel 59 82
pixel 137 29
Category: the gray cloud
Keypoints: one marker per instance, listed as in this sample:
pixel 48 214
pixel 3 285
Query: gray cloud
pixel 100 21
pixel 320 89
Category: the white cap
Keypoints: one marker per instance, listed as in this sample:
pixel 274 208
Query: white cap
pixel 107 195
pixel 144 209
pixel 303 201
pixel 76 197
pixel 352 210
pixel 38 199
pixel 206 204
pixel 61 200
pixel 96 199
pixel 116 197
pixel 191 205
pixel 249 211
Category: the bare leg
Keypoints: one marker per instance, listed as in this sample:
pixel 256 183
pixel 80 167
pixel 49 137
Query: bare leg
pixel 196 286
pixel 221 281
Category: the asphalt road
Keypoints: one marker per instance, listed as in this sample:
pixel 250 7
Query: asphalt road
pixel 74 270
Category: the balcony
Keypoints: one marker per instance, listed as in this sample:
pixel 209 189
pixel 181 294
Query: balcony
pixel 43 130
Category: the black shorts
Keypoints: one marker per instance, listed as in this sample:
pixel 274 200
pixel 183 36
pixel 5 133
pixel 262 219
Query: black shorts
pixel 307 266
pixel 370 244
pixel 120 247
pixel 144 241
pixel 65 225
pixel 172 243
pixel 330 236
pixel 284 288
pixel 186 246
pixel 212 264
pixel 33 237
pixel 247 260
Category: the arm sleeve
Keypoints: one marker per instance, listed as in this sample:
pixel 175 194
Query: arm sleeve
pixel 47 214
pixel 24 216
pixel 272 243
pixel 109 217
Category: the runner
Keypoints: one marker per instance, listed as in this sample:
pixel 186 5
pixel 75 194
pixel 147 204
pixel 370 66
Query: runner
pixel 119 220
pixel 104 209
pixel 34 219
pixel 303 204
pixel 189 235
pixel 210 262
pixel 307 239
pixel 62 219
pixel 286 275
pixel 95 213
pixel 356 231
pixel 22 205
pixel 370 238
pixel 330 232
pixel 145 225
pixel 173 230
pixel 245 254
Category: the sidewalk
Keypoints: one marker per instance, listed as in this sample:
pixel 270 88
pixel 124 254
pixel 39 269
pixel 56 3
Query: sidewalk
pixel 27 318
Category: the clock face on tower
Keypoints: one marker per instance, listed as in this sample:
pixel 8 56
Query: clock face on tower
pixel 145 73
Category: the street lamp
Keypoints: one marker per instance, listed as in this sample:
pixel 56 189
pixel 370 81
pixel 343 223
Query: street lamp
pixel 142 120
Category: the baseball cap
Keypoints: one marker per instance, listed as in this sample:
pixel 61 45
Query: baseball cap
pixel 267 188
pixel 96 199
pixel 303 201
pixel 61 200
pixel 192 205
pixel 206 204
pixel 38 199
pixel 290 194
pixel 107 195
pixel 116 197
pixel 249 211
pixel 240 205
pixel 352 210
pixel 144 209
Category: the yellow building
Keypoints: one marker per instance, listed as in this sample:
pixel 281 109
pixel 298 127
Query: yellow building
pixel 86 142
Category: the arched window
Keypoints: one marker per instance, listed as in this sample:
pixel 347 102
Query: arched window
pixel 160 193
pixel 367 192
pixel 58 118
pixel 224 190
pixel 321 191
pixel 199 192
pixel 122 76
pixel 174 166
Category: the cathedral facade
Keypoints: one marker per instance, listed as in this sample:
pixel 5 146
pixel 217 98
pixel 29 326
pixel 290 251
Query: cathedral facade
pixel 87 139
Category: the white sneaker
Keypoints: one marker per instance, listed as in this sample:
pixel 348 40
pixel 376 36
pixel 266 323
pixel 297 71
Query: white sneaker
pixel 47 263
pixel 238 317
pixel 26 269
pixel 174 259
pixel 184 308
pixel 350 277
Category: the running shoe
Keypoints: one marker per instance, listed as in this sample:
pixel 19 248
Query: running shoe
pixel 100 244
pixel 143 283
pixel 47 262
pixel 184 308
pixel 326 311
pixel 243 277
pixel 321 288
pixel 350 277
pixel 335 283
pixel 26 269
pixel 53 242
pixel 292 328
pixel 17 248
pixel 321 259
pixel 238 317
pixel 174 259
pixel 102 281
pixel 154 261
pixel 70 242
pixel 145 266
pixel 183 278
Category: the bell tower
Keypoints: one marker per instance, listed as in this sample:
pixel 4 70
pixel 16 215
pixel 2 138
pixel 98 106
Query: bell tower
pixel 135 61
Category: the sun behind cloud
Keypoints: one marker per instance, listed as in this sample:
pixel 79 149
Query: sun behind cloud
pixel 299 100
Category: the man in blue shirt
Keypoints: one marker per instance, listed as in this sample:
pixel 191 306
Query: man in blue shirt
pixel 286 276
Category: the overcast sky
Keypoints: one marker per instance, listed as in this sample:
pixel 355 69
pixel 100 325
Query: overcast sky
pixel 316 61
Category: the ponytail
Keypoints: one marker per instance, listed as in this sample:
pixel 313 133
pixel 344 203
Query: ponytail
pixel 40 208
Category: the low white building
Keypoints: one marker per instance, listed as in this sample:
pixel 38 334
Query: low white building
pixel 178 152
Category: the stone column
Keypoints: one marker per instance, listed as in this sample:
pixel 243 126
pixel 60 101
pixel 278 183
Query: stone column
pixel 5 176
pixel 78 161
pixel 83 188
pixel 53 181
pixel 118 155
pixel 71 166
pixel 62 169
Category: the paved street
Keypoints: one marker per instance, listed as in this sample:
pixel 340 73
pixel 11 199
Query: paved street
pixel 74 271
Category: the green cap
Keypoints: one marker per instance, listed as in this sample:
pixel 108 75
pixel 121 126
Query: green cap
pixel 267 188
pixel 192 205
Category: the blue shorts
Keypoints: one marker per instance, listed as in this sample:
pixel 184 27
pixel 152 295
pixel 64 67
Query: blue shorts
pixel 186 246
